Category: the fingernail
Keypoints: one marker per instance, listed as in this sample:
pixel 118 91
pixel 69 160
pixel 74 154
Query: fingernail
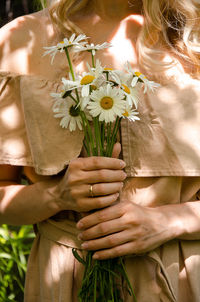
pixel 122 164
pixel 79 225
pixel 125 175
pixel 84 245
pixel 80 236
pixel 95 256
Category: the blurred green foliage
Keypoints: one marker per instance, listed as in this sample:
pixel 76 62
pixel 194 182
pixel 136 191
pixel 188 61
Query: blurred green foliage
pixel 15 244
pixel 10 9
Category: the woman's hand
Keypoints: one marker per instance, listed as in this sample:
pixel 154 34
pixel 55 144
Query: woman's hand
pixel 104 174
pixel 126 228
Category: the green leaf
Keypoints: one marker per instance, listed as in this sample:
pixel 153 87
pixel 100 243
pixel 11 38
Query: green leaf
pixel 5 255
pixel 76 255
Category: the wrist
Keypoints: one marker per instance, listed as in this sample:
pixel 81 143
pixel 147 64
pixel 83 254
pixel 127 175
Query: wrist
pixel 174 221
pixel 48 192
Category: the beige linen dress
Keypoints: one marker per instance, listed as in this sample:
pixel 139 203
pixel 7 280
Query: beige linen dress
pixel 162 153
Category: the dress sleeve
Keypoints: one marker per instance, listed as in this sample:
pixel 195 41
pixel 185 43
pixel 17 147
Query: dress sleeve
pixel 29 133
pixel 166 140
pixel 14 146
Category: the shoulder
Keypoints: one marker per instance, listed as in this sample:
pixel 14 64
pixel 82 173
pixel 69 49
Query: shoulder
pixel 21 40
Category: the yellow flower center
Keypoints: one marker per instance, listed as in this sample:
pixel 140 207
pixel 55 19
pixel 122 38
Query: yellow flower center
pixel 106 102
pixel 107 69
pixel 62 42
pixel 87 79
pixel 137 73
pixel 93 87
pixel 126 89
pixel 126 113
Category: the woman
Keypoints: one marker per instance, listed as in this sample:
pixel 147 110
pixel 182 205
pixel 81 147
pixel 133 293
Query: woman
pixel 156 219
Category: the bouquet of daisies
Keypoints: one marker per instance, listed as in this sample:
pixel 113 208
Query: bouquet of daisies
pixel 96 101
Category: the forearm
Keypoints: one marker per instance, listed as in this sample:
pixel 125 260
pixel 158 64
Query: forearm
pixel 21 204
pixel 184 220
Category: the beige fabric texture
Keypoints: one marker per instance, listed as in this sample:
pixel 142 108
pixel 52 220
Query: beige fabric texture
pixel 30 135
pixel 163 148
pixel 164 142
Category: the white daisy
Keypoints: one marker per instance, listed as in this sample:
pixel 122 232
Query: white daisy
pixel 123 80
pixel 87 81
pixel 52 51
pixel 84 101
pixel 151 85
pixel 138 77
pixel 67 88
pixel 69 85
pixel 58 101
pixel 107 102
pixel 70 114
pixel 56 96
pixel 130 114
pixel 91 79
pixel 72 41
pixel 91 47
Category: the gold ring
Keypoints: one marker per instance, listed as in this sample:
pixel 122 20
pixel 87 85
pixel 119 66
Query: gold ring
pixel 91 191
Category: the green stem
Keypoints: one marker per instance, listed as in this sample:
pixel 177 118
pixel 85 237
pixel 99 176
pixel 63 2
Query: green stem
pixel 70 63
pixel 93 60
pixel 109 125
pixel 111 283
pixel 114 135
pixel 97 130
pixel 127 279
pixel 76 101
pixel 103 136
pixel 95 285
pixel 91 138
pixel 87 137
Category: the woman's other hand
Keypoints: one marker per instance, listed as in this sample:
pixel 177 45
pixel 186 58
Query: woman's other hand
pixel 104 175
pixel 126 228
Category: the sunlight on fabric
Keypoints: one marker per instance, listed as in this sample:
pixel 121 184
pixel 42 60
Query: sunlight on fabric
pixel 189 130
pixel 176 69
pixel 17 60
pixel 57 267
pixel 124 51
pixel 14 146
pixel 10 117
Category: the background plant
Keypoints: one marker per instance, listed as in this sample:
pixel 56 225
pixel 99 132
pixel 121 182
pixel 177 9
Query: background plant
pixel 15 244
pixel 15 241
pixel 10 9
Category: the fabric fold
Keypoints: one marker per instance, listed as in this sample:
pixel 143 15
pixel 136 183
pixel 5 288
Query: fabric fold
pixel 30 135
pixel 165 142
pixel 52 147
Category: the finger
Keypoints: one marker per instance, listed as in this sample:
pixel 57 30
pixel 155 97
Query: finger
pixel 103 215
pixel 108 241
pixel 103 176
pixel 97 163
pixel 117 251
pixel 116 150
pixel 79 177
pixel 89 204
pixel 102 229
pixel 101 189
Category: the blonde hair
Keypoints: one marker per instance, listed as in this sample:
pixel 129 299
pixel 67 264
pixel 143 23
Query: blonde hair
pixel 169 26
